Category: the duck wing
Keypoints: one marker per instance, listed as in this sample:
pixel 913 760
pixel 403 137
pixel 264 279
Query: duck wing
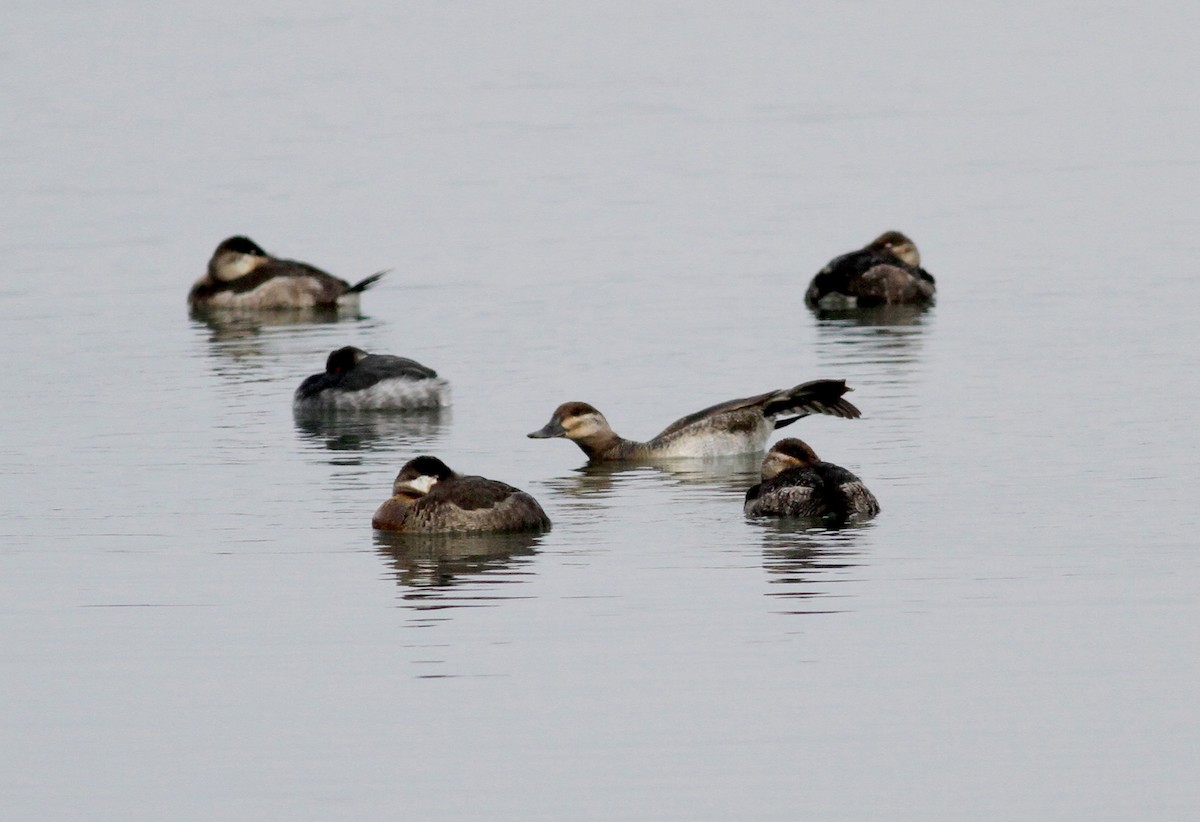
pixel 813 397
pixel 717 410
pixel 374 368
pixel 472 503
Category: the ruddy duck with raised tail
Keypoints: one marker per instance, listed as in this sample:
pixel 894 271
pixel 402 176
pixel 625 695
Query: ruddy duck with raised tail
pixel 242 275
pixel 796 483
pixel 357 381
pixel 429 498
pixel 728 429
pixel 887 271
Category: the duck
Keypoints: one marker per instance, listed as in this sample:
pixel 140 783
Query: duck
pixel 354 380
pixel 727 429
pixel 797 483
pixel 241 275
pixel 886 271
pixel 429 498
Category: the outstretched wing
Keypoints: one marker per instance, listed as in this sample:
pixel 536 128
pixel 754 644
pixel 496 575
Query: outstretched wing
pixel 715 411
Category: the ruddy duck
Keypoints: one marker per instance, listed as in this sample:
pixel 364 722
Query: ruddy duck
pixel 796 483
pixel 357 381
pixel 429 498
pixel 887 271
pixel 730 428
pixel 242 275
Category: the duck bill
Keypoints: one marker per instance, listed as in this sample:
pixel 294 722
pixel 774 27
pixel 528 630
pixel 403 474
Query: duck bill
pixel 551 429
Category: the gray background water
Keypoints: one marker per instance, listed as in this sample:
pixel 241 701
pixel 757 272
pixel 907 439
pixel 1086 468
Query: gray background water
pixel 620 204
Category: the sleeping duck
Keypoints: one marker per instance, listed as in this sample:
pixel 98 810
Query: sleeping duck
pixel 887 271
pixel 727 429
pixel 242 275
pixel 354 380
pixel 429 498
pixel 796 483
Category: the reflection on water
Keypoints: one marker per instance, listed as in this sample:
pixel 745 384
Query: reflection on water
pixel 805 560
pixel 888 336
pixel 243 344
pixel 599 480
pixel 419 430
pixel 229 325
pixel 436 571
pixel 875 315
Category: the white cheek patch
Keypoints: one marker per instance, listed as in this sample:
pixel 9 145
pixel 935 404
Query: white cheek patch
pixel 422 483
pixel 246 263
pixel 232 266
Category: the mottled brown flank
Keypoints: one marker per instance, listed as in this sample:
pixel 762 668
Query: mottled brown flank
pixel 891 285
pixel 819 490
pixel 468 503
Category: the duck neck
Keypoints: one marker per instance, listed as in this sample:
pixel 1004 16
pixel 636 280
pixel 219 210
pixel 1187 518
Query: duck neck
pixel 605 447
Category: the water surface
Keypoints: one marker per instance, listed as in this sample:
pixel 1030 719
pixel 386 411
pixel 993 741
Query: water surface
pixel 620 205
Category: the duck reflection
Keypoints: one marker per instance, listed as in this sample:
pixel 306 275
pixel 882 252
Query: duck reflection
pixel 591 485
pixel 876 315
pixel 458 570
pixel 373 430
pixel 227 325
pixel 881 345
pixel 807 560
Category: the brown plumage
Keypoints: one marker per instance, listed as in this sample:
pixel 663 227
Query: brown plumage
pixel 241 275
pixel 886 271
pixel 428 497
pixel 797 483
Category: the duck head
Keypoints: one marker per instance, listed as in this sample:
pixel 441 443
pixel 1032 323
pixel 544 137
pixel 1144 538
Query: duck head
pixel 419 475
pixel 235 257
pixel 899 246
pixel 342 360
pixel 785 454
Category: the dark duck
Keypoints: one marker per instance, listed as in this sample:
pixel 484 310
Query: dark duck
pixel 797 483
pixel 886 271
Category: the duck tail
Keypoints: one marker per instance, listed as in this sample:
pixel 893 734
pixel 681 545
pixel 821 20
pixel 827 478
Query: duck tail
pixel 364 284
pixel 814 397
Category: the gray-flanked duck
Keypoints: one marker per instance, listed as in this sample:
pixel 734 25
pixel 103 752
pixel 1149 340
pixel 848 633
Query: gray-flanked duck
pixel 726 429
pixel 797 483
pixel 429 498
pixel 241 275
pixel 886 271
pixel 354 380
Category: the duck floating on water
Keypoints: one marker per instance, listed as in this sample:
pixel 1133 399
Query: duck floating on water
pixel 886 271
pixel 797 483
pixel 429 498
pixel 241 275
pixel 357 381
pixel 726 429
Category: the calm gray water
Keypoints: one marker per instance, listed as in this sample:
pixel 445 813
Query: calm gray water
pixel 620 204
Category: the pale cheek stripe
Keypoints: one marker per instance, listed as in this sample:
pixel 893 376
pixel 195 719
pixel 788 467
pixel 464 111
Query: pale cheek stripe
pixel 423 484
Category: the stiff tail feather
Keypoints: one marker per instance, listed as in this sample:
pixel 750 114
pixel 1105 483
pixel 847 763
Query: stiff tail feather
pixel 364 284
pixel 814 397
